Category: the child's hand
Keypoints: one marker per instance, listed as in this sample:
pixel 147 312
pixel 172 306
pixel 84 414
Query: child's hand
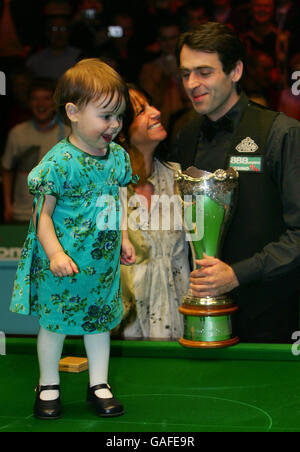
pixel 127 253
pixel 62 265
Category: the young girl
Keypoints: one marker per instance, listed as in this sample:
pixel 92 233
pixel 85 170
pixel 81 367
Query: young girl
pixel 69 271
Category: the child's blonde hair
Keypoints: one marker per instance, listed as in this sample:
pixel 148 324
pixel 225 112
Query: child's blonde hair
pixel 89 80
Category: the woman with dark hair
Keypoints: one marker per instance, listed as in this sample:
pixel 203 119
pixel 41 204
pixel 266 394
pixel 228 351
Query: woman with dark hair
pixel 153 287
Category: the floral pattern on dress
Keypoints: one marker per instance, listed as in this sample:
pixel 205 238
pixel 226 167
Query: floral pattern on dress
pixel 88 302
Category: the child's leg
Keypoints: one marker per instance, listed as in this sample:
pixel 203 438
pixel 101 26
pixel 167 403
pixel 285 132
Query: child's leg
pixel 49 347
pixel 97 349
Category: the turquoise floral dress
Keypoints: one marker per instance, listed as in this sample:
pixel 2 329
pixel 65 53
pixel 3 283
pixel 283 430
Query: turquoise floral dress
pixel 86 220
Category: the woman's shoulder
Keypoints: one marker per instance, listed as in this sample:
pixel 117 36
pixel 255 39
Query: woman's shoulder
pixel 167 166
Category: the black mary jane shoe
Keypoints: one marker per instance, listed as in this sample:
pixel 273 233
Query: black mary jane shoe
pixel 47 409
pixel 104 407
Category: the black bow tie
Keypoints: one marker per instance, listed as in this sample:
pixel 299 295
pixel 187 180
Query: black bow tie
pixel 211 128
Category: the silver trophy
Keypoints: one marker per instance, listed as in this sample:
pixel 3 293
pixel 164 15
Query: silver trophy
pixel 208 202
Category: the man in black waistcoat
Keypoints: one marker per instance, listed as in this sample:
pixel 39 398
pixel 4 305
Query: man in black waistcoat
pixel 260 259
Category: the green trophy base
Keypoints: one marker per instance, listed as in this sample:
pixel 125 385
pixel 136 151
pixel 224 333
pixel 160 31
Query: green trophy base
pixel 207 323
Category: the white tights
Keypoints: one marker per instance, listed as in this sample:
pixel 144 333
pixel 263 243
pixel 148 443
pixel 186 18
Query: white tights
pixel 50 346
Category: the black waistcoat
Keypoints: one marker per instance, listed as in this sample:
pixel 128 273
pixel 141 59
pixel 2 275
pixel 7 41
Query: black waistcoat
pixel 258 216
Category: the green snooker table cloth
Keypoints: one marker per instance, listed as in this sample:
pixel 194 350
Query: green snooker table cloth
pixel 164 388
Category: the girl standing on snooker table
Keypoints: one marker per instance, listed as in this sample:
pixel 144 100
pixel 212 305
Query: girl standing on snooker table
pixel 69 271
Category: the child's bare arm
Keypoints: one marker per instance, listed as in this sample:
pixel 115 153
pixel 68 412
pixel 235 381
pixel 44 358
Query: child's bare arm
pixel 60 263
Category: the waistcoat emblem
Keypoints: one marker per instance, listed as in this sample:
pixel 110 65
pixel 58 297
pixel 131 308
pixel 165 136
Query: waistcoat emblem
pixel 247 145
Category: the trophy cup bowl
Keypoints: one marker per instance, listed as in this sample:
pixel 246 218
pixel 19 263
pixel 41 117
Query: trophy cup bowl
pixel 208 202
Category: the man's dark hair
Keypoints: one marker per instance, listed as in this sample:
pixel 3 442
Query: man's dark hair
pixel 214 37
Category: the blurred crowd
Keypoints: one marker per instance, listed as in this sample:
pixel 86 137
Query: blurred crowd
pixel 41 39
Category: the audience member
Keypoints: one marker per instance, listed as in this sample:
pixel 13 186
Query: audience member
pixel 151 13
pixel 191 15
pixel 89 27
pixel 263 81
pixel 18 110
pixel 19 28
pixel 237 16
pixel 153 287
pixel 160 77
pixel 27 143
pixel 221 11
pixel 286 14
pixel 263 34
pixel 126 46
pixel 287 17
pixel 58 56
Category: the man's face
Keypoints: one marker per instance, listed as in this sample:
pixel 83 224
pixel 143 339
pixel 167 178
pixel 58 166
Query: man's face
pixel 42 105
pixel 59 33
pixel 211 91
pixel 262 10
pixel 167 38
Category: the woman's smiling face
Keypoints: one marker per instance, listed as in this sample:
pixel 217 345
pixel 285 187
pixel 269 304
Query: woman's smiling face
pixel 146 126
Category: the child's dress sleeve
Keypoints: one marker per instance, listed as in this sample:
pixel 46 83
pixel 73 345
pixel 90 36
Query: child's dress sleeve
pixel 47 179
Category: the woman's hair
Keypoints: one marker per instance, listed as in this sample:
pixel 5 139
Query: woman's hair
pixel 89 80
pixel 214 37
pixel 124 136
pixel 130 116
